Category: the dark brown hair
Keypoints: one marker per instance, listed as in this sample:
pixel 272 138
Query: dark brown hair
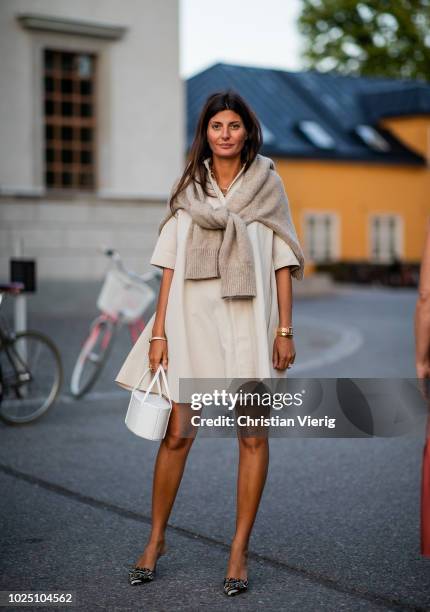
pixel 200 150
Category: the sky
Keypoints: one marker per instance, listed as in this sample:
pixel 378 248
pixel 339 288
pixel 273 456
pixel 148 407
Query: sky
pixel 246 32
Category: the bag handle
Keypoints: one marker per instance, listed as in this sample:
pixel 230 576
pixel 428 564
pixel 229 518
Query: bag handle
pixel 166 386
pixel 155 379
pixel 160 370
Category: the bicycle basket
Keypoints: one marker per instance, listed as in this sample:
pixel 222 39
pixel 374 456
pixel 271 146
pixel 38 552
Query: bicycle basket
pixel 121 295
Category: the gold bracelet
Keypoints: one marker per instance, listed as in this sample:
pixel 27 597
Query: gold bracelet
pixel 286 332
pixel 157 338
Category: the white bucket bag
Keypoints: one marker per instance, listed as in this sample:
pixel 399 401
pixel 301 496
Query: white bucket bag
pixel 148 415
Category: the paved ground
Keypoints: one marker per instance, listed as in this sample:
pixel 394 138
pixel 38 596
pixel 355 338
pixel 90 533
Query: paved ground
pixel 338 526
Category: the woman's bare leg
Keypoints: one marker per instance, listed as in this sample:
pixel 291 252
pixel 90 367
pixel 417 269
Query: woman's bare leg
pixel 169 467
pixel 253 468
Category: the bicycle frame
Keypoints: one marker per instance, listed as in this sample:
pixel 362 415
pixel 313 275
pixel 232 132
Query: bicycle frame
pixel 135 328
pixel 15 360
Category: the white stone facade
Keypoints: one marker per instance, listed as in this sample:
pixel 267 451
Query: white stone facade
pixel 140 132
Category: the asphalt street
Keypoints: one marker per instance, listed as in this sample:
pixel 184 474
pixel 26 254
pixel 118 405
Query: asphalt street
pixel 338 526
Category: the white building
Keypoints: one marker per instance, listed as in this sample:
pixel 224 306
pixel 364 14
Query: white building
pixel 91 130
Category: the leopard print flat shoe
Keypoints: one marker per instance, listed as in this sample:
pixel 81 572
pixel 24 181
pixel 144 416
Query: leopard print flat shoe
pixel 137 575
pixel 234 586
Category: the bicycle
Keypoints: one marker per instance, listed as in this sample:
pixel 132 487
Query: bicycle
pixel 31 372
pixel 123 299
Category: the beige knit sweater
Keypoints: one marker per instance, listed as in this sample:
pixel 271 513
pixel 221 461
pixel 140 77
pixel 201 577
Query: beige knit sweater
pixel 218 244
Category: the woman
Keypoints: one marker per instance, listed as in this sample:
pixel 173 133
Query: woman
pixel 228 248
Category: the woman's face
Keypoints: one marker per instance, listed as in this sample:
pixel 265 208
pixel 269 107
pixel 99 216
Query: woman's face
pixel 226 134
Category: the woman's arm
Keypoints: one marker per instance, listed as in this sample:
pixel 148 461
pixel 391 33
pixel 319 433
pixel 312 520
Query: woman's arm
pixel 285 296
pixel 284 351
pixel 422 315
pixel 158 348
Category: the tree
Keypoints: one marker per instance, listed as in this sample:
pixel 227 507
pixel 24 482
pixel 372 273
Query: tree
pixel 369 37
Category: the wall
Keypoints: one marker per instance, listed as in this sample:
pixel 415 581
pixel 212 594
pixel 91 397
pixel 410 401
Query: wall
pixel 65 237
pixel 354 190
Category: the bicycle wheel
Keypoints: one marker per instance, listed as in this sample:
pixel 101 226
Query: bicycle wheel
pixel 32 375
pixel 93 356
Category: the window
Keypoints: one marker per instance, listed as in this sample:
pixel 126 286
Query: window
pixel 372 138
pixel 268 136
pixel 385 238
pixel 321 236
pixel 316 134
pixel 69 87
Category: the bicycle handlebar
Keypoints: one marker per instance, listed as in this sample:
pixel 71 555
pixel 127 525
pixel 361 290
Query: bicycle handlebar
pixel 10 289
pixel 117 259
pixel 13 288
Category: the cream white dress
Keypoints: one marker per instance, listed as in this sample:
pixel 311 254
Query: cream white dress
pixel 209 336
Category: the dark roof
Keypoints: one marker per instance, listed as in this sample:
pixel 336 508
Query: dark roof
pixel 336 102
pixel 409 100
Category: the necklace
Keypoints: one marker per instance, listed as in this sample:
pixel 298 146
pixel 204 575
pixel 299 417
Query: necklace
pixel 223 189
